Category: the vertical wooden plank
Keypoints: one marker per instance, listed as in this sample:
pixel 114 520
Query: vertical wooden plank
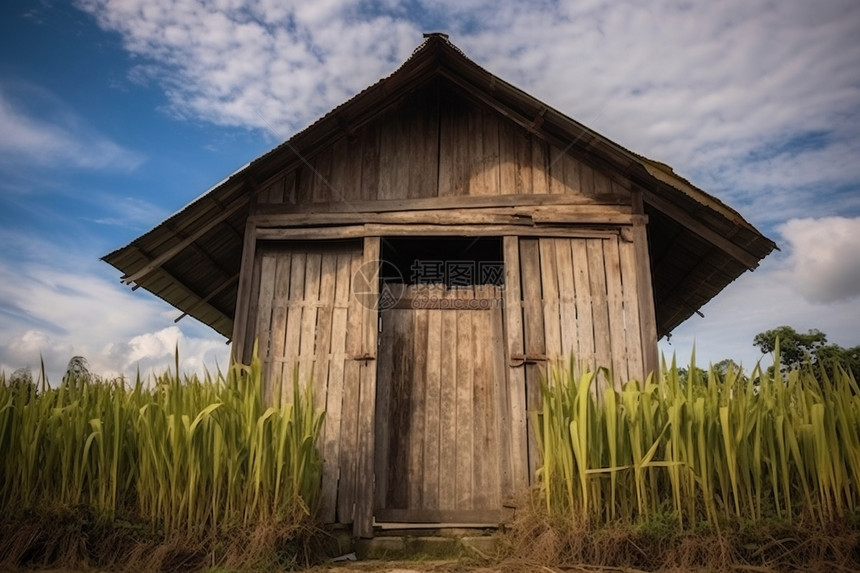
pixel 630 286
pixel 615 303
pixel 352 171
pixel 509 179
pixel 490 159
pixel 254 301
pixel 586 180
pixel 307 340
pixel 556 182
pixel 481 468
pixel 305 183
pixel 540 166
pixel 363 525
pixel 424 149
pixel 341 188
pixel 647 316
pixel 533 327
pixel 349 416
pixel 278 327
pixel 384 384
pixel 567 298
pixel 602 184
pixel 240 353
pixel 323 334
pixel 599 304
pixel 432 410
pixel 516 376
pixel 446 153
pixel 531 292
pixel 572 175
pixel 584 318
pixel 401 144
pixel 474 146
pixel 448 412
pixel 294 324
pixel 321 191
pixel 334 394
pixel 370 163
pixel 502 423
pixel 387 159
pixel 263 329
pixel 551 311
pixel 418 407
pixel 465 413
pixel 290 187
pixel 397 417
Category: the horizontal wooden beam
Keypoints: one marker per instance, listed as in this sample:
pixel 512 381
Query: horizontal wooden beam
pixel 586 214
pixel 383 230
pixel 438 203
pixel 181 245
pixel 701 229
pixel 488 517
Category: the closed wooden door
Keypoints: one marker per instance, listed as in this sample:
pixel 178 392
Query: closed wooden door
pixel 442 431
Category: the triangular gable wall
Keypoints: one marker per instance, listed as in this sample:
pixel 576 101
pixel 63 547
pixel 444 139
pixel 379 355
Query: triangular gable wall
pixel 437 143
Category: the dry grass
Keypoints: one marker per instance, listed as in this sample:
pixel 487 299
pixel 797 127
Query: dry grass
pixel 536 541
pixel 75 539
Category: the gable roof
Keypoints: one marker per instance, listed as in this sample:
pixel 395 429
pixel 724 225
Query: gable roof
pixel 698 244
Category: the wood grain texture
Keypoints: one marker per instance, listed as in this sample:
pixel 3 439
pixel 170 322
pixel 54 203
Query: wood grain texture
pixel 615 308
pixel 630 286
pixel 363 524
pixel 516 382
pixel 442 436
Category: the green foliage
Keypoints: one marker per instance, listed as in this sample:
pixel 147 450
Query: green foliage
pixel 186 455
pixel 795 348
pixel 716 449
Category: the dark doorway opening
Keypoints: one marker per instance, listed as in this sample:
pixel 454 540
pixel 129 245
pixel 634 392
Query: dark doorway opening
pixel 452 261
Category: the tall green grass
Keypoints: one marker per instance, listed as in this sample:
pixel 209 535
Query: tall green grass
pixel 706 450
pixel 183 453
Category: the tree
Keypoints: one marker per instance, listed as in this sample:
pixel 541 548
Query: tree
pixel 795 347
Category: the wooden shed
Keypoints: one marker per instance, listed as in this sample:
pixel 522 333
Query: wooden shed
pixel 421 252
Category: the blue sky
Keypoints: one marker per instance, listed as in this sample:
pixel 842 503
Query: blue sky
pixel 116 113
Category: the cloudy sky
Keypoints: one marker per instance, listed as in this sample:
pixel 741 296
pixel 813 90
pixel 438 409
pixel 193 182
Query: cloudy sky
pixel 116 113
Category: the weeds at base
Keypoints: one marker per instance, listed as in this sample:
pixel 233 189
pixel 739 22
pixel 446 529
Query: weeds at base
pixel 534 540
pixel 74 538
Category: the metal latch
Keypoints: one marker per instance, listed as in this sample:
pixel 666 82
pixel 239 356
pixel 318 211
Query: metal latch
pixel 364 357
pixel 520 359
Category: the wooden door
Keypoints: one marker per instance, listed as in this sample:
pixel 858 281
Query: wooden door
pixel 311 317
pixel 442 429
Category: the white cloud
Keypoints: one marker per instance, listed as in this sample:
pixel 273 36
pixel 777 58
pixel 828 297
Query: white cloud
pixel 66 304
pixel 722 91
pixel 65 142
pixel 825 257
pixel 270 65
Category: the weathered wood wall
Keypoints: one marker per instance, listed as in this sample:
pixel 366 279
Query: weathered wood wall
pixel 577 282
pixel 437 144
pixel 309 321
